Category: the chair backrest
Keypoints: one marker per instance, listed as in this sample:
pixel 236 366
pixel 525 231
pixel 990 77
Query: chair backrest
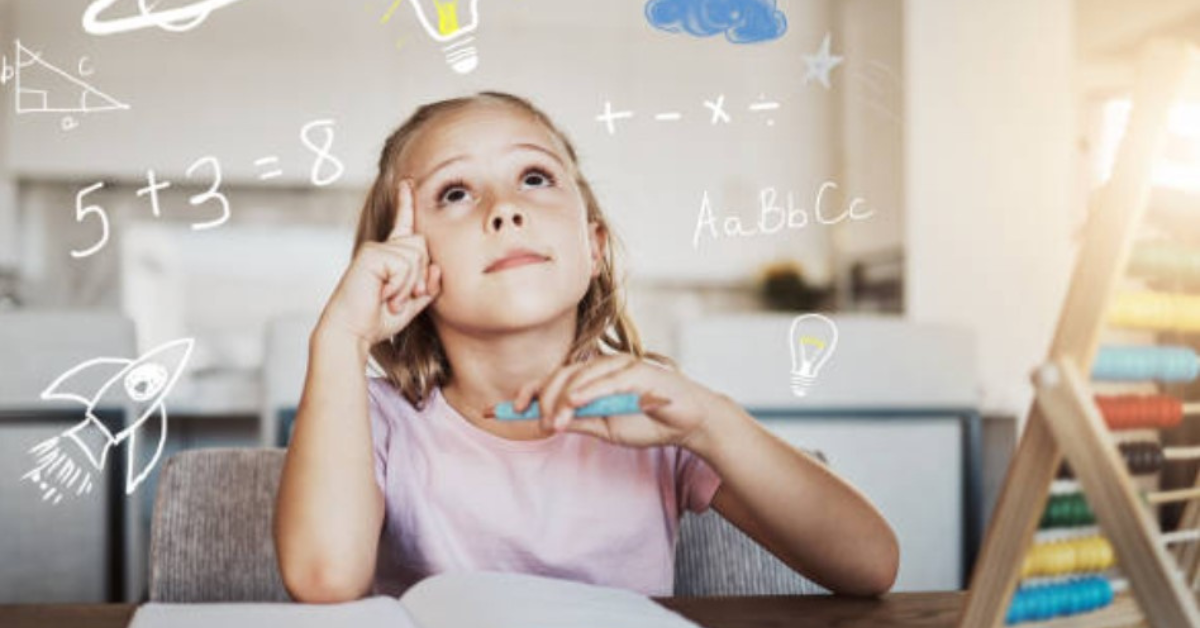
pixel 210 537
pixel 713 557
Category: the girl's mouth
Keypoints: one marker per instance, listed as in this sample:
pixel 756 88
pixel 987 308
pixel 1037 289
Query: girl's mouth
pixel 515 259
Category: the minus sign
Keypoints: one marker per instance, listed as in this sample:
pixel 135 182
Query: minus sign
pixel 668 116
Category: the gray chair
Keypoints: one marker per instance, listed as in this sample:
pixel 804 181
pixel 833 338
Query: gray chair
pixel 211 537
pixel 713 557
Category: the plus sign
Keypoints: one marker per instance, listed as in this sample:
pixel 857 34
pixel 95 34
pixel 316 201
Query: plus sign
pixel 609 116
pixel 718 109
pixel 152 188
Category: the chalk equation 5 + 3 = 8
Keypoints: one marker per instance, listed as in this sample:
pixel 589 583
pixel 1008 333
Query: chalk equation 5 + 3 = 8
pixel 326 170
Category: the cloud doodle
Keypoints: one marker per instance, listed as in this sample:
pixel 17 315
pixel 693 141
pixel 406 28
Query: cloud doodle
pixel 742 21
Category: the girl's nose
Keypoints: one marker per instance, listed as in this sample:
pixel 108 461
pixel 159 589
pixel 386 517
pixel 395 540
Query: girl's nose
pixel 506 215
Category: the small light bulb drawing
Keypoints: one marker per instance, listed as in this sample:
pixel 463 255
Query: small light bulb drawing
pixel 813 338
pixel 453 23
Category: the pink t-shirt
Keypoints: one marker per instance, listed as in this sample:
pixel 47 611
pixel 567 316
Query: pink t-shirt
pixel 568 506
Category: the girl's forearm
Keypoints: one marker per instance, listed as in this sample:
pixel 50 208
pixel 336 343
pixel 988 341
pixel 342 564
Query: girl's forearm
pixel 330 509
pixel 817 523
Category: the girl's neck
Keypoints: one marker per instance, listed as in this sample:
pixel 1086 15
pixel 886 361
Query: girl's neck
pixel 488 369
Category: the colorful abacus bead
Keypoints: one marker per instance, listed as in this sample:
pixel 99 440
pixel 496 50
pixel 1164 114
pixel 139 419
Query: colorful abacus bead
pixel 1041 602
pixel 1074 556
pixel 1140 364
pixel 1067 511
pixel 1142 457
pixel 1166 259
pixel 1127 412
pixel 1156 311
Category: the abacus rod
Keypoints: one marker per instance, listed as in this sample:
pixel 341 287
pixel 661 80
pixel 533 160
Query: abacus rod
pixel 1178 495
pixel 1180 536
pixel 1181 453
pixel 1162 497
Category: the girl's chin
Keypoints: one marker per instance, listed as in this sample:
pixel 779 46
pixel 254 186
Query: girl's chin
pixel 510 313
pixel 523 314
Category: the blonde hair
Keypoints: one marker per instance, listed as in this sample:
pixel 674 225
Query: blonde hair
pixel 413 360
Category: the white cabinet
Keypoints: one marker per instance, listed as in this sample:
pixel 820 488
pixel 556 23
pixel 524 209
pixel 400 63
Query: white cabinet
pixel 893 410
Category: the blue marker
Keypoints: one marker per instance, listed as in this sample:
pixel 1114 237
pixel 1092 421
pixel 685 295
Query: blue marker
pixel 608 405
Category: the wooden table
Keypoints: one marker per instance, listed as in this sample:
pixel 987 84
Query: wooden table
pixel 898 609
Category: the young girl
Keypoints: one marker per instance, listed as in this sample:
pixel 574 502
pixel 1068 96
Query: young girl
pixel 483 272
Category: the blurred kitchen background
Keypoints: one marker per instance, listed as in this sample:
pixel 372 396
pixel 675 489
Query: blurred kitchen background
pixel 974 132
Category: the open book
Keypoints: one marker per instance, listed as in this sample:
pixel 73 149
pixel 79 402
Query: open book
pixel 452 600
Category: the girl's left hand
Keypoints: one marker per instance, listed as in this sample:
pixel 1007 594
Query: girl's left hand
pixel 682 412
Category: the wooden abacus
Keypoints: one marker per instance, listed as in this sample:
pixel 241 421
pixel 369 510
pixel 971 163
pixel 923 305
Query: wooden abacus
pixel 1066 419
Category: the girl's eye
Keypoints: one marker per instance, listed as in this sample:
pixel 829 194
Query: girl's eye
pixel 537 178
pixel 454 192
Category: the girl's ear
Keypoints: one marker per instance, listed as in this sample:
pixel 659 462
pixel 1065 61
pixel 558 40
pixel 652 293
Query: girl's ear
pixel 598 237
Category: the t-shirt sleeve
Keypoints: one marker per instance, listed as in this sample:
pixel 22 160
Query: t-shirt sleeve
pixel 381 431
pixel 696 482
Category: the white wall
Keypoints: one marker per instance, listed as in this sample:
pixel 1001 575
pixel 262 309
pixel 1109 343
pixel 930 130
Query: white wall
pixel 989 177
pixel 8 196
pixel 240 86
pixel 872 117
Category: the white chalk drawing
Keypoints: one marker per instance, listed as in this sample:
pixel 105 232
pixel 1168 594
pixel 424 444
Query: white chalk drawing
pixel 881 90
pixel 273 162
pixel 764 105
pixel 43 88
pixel 821 63
pixel 609 117
pixel 718 110
pixel 322 153
pixel 449 22
pixel 773 218
pixel 326 170
pixel 65 465
pixel 177 20
pixel 153 187
pixel 812 339
pixel 213 193
pixel 82 212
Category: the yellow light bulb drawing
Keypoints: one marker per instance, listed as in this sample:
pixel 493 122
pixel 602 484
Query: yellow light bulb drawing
pixel 816 342
pixel 447 17
pixel 453 23
pixel 813 338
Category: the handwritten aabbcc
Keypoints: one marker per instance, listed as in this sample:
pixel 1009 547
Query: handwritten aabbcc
pixel 773 218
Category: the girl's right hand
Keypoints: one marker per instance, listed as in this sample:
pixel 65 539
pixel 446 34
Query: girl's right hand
pixel 387 284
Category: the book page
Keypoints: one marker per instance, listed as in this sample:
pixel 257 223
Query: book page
pixel 373 612
pixel 506 600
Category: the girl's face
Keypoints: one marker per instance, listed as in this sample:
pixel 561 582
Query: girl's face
pixel 497 202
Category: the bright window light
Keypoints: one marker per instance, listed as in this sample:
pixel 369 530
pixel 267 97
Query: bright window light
pixel 1179 167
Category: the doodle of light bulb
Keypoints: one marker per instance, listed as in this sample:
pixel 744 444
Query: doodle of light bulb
pixel 813 338
pixel 453 27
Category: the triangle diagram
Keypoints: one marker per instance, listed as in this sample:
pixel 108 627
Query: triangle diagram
pixel 44 88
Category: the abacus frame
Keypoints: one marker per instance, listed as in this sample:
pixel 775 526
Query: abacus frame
pixel 1063 419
